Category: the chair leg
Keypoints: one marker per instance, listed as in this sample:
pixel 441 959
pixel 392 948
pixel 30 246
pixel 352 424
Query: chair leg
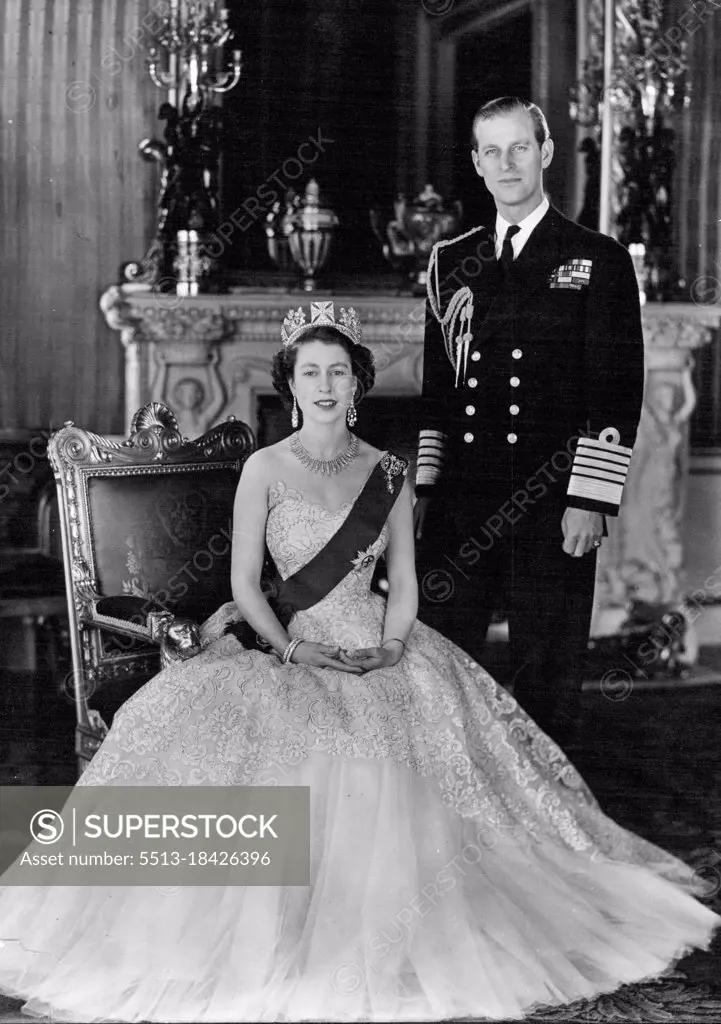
pixel 89 735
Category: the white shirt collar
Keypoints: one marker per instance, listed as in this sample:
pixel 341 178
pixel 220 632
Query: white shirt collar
pixel 526 226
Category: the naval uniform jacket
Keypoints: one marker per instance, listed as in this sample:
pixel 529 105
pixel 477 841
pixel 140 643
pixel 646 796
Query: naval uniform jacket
pixel 532 382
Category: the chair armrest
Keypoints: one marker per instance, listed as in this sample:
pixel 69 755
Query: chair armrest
pixel 178 638
pixel 124 614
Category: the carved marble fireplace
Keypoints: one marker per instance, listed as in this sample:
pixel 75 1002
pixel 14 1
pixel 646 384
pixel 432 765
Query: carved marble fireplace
pixel 209 357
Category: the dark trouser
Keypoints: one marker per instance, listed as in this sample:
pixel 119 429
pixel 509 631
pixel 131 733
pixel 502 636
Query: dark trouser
pixel 466 572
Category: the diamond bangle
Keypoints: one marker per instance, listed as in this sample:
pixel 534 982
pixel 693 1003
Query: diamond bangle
pixel 290 649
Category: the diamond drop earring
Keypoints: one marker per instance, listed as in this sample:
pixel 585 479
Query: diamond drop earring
pixel 352 414
pixel 294 414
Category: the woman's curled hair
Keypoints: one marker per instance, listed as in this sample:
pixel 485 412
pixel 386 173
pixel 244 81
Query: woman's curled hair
pixel 361 360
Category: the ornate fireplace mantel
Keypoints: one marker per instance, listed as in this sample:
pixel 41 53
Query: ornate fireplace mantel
pixel 209 357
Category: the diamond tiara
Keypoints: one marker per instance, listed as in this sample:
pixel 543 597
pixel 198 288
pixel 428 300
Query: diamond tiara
pixel 322 314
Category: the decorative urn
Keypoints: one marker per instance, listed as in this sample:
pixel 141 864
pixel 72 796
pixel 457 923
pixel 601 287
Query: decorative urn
pixel 407 240
pixel 309 227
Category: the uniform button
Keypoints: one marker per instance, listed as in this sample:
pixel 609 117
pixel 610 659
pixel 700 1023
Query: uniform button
pixel 475 356
pixel 468 437
pixel 512 438
pixel 470 410
pixel 514 410
pixel 516 353
pixel 515 381
pixel 472 382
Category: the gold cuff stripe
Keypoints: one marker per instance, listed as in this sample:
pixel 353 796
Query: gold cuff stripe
pixel 588 468
pixel 608 458
pixel 596 474
pixel 595 490
pixel 604 446
pixel 427 475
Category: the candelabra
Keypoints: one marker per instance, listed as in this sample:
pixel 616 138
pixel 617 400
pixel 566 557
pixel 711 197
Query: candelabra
pixel 193 36
pixel 188 60
pixel 647 68
pixel 645 86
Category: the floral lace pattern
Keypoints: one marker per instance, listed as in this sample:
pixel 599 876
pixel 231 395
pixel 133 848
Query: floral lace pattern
pixel 231 716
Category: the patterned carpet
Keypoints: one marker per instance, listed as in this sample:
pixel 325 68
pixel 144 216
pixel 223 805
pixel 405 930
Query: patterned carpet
pixel 653 758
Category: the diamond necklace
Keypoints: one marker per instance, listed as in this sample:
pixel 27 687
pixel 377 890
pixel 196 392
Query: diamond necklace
pixel 325 466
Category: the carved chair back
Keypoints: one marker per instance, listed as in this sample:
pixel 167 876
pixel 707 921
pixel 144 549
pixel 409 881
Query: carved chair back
pixel 146 525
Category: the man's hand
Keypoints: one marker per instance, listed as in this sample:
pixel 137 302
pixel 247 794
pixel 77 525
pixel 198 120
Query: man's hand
pixel 581 529
pixel 420 511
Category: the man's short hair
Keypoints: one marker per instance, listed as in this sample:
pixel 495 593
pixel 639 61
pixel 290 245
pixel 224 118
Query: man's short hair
pixel 507 105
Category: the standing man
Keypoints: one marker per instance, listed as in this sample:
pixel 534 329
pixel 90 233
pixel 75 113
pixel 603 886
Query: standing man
pixel 532 386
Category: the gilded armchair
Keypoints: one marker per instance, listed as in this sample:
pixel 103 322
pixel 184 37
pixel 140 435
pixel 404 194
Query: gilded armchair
pixel 146 530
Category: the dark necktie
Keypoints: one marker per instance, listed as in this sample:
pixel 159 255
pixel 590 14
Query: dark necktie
pixel 507 250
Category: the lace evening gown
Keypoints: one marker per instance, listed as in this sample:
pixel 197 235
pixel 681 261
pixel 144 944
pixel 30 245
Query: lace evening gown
pixel 459 864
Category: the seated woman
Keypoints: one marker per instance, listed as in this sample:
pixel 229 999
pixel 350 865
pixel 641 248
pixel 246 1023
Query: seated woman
pixel 460 865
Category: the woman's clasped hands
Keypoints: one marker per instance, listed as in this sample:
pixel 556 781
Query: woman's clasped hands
pixel 357 662
pixel 369 658
pixel 323 656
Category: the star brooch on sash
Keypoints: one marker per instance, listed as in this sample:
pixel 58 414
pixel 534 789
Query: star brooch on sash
pixel 364 559
pixel 573 275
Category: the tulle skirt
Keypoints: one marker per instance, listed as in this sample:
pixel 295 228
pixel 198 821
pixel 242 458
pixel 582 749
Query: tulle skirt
pixel 414 914
pixel 423 904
